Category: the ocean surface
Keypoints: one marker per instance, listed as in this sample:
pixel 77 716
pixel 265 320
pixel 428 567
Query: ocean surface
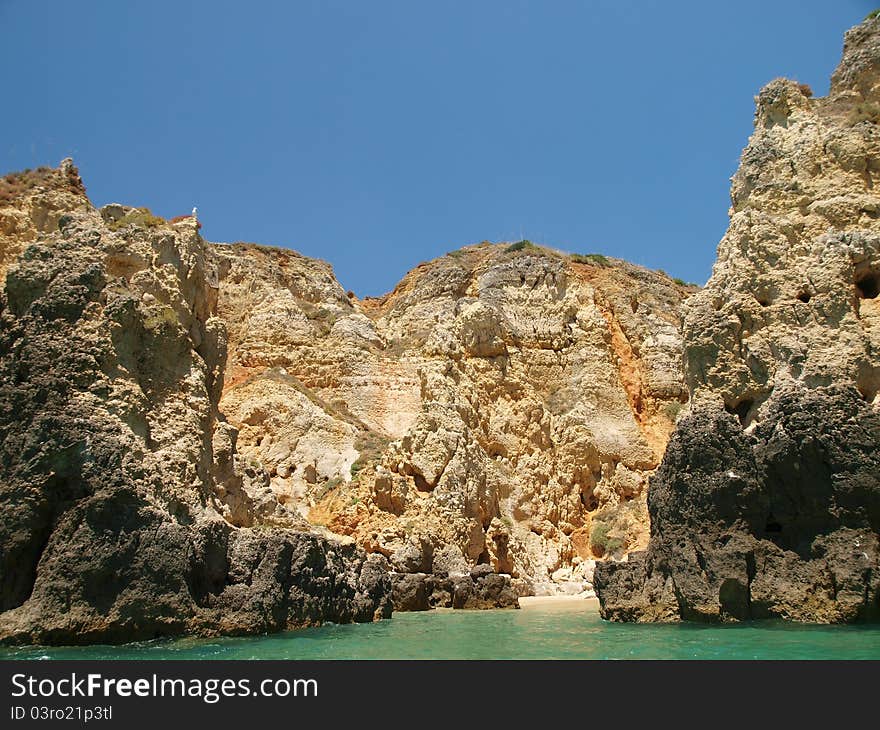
pixel 570 631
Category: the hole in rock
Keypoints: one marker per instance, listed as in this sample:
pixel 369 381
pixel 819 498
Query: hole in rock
pixel 741 409
pixel 422 483
pixel 589 500
pixel 868 286
pixel 734 599
pixel 763 301
pixel 804 297
pixel 496 450
pixel 484 558
pixel 772 525
pixel 867 392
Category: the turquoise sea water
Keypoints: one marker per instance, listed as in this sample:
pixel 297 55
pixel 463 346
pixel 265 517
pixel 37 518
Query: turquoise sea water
pixel 553 632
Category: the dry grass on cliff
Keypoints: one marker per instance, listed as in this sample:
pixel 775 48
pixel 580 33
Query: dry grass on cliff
pixel 140 217
pixel 323 319
pixel 370 445
pixel 17 184
pixel 591 259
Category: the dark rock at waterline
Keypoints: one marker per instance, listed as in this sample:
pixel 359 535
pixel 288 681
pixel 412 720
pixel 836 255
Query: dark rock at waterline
pixel 780 522
pixel 410 591
pixel 114 573
pixel 422 591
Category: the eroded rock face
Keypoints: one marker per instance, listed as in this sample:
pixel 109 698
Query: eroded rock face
pixel 768 499
pixel 502 406
pixel 125 509
pixel 179 419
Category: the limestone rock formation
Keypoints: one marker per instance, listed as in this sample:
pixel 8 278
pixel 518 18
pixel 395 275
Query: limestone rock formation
pixel 126 511
pixel 504 405
pixel 211 438
pixel 767 503
pixel 218 438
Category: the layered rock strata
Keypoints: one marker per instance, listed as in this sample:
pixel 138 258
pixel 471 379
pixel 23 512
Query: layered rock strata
pixel 767 503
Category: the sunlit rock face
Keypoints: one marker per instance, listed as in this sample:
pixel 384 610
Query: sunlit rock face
pixel 768 499
pixel 504 405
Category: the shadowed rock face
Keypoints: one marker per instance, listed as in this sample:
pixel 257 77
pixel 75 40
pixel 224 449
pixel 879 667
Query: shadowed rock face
pixel 780 522
pixel 767 503
pixel 480 589
pixel 116 471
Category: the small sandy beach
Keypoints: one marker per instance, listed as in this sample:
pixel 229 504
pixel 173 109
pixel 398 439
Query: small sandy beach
pixel 571 603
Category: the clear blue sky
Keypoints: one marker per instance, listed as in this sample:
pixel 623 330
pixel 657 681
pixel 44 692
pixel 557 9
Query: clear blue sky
pixel 378 134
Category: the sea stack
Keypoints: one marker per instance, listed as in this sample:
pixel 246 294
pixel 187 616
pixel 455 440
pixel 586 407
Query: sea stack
pixel 767 503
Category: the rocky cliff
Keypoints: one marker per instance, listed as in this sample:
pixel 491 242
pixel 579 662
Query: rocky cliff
pixel 503 406
pixel 218 438
pixel 214 438
pixel 767 503
pixel 126 511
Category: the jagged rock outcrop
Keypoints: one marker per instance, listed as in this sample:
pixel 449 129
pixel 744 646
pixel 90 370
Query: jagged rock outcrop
pixel 481 588
pixel 767 503
pixel 504 405
pixel 126 511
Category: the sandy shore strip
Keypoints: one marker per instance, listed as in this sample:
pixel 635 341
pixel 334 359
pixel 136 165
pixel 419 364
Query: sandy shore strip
pixel 561 602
